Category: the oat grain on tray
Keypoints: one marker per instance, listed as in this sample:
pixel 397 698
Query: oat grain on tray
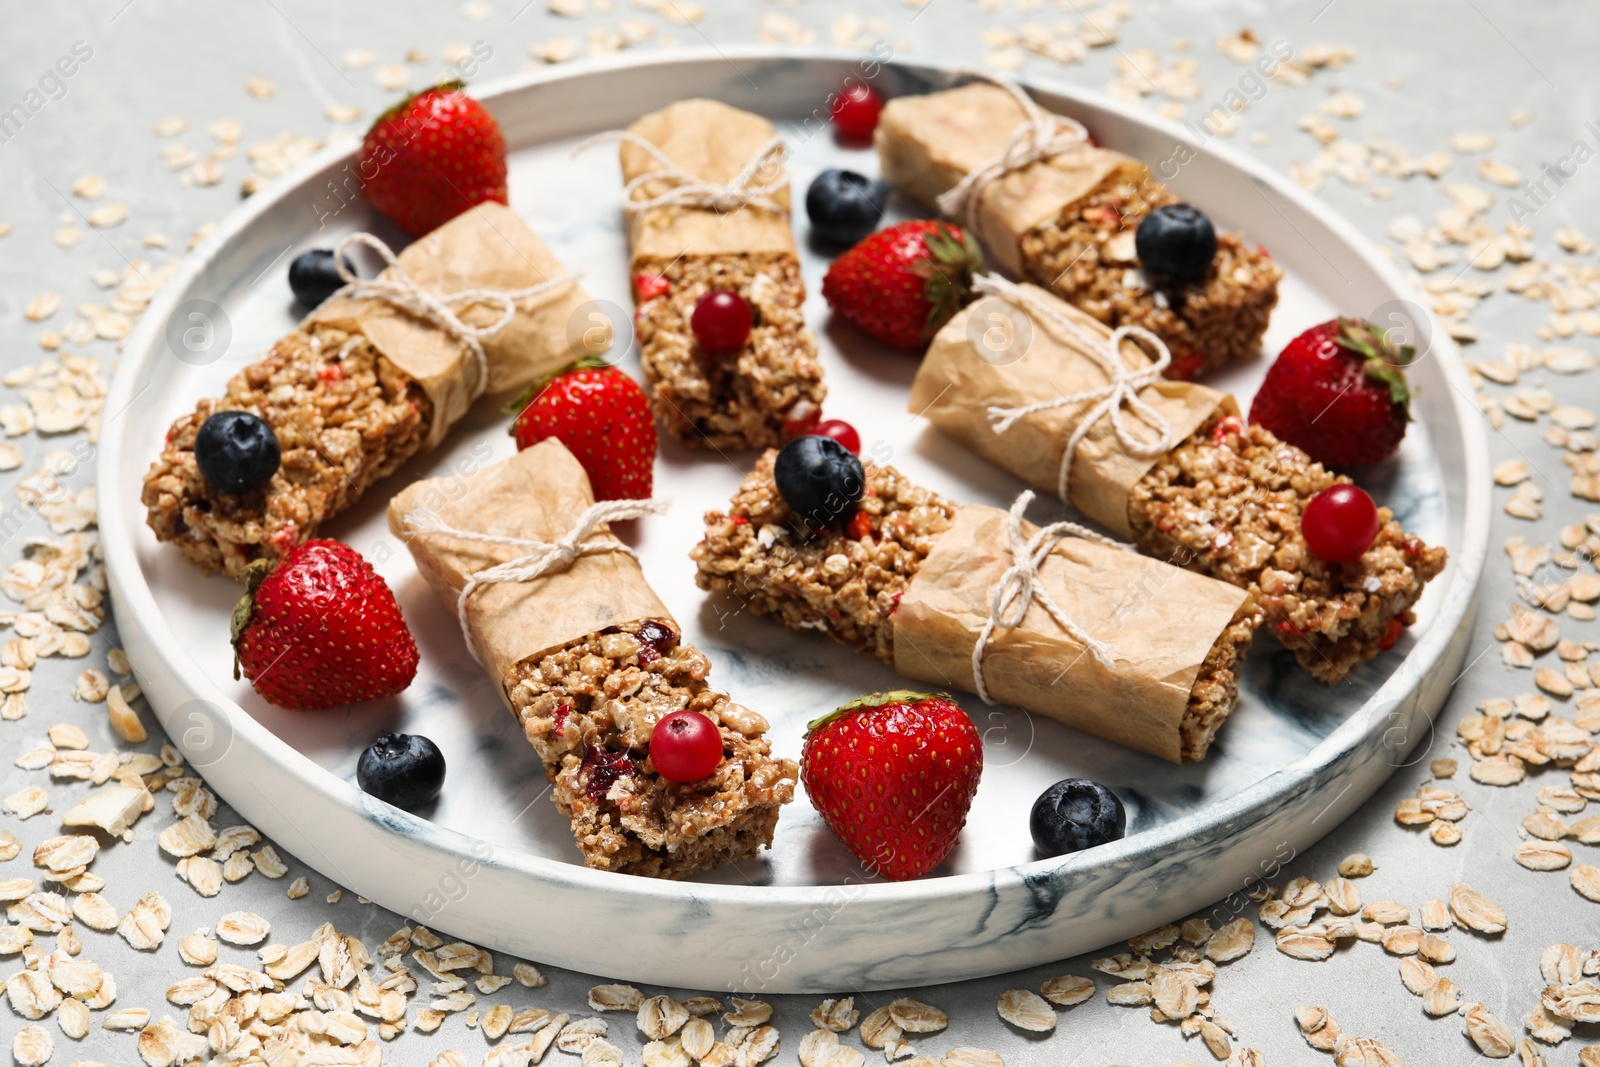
pixel 1230 500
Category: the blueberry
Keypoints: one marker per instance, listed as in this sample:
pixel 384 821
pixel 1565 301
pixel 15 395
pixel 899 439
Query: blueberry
pixel 1075 814
pixel 236 452
pixel 1176 241
pixel 819 479
pixel 844 206
pixel 314 278
pixel 407 770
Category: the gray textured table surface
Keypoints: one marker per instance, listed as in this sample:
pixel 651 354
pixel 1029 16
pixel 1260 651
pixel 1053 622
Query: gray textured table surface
pixel 1423 71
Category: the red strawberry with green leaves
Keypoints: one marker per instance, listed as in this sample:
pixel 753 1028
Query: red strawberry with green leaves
pixel 321 630
pixel 603 418
pixel 1339 393
pixel 893 774
pixel 902 283
pixel 431 157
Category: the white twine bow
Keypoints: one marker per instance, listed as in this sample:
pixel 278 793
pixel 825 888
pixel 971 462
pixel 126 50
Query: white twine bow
pixel 1019 587
pixel 1041 135
pixel 400 291
pixel 539 557
pixel 1120 392
pixel 688 190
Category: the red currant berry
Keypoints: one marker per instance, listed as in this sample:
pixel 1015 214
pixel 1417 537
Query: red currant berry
pixel 685 746
pixel 1340 523
pixel 840 431
pixel 855 112
pixel 721 322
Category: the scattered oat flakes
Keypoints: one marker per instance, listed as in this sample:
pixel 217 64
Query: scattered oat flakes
pixel 1356 865
pixel 1026 1010
pixel 615 997
pixel 967 1056
pixel 108 216
pixel 26 803
pixel 1586 880
pixel 1067 990
pixel 1474 912
pixel 32 1046
pixel 1493 1037
pixel 197 950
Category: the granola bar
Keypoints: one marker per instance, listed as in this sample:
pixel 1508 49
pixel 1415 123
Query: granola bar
pixel 344 415
pixel 681 252
pixel 588 659
pixel 588 709
pixel 362 386
pixel 1086 255
pixel 851 585
pixel 1228 502
pixel 1068 221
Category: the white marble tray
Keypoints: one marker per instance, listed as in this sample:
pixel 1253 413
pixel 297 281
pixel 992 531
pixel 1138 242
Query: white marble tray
pixel 495 863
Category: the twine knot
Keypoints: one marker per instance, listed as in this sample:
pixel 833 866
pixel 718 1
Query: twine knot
pixel 539 557
pixel 1041 135
pixel 399 290
pixel 1114 400
pixel 1020 586
pixel 745 189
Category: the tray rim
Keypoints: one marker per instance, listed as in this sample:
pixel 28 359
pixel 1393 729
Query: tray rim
pixel 130 592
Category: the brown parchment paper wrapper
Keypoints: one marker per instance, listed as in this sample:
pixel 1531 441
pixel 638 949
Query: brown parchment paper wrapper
pixel 927 144
pixel 537 495
pixel 713 142
pixel 488 247
pixel 1161 622
pixel 956 385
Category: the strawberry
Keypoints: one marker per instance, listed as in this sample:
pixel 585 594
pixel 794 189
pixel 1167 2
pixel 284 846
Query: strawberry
pixel 893 774
pixel 902 283
pixel 431 157
pixel 601 415
pixel 1339 393
pixel 321 629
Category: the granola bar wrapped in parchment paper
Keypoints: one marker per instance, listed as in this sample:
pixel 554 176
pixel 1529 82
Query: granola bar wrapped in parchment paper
pixel 488 248
pixel 915 586
pixel 928 144
pixel 994 357
pixel 1189 481
pixel 1053 208
pixel 708 209
pixel 368 381
pixel 588 659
